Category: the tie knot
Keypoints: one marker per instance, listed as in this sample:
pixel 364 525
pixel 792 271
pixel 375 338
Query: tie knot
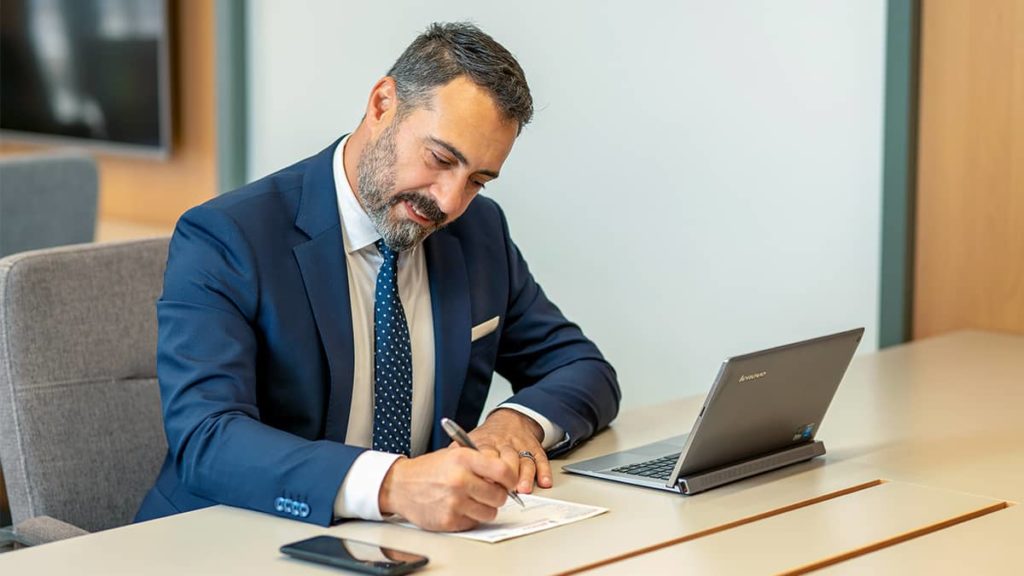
pixel 388 254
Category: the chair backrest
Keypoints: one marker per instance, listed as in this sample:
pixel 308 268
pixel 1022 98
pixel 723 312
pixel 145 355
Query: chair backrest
pixel 81 430
pixel 46 200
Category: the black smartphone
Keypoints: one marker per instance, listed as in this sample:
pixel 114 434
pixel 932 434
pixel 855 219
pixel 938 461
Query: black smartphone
pixel 355 555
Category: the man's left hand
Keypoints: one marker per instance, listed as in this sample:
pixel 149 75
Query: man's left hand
pixel 507 432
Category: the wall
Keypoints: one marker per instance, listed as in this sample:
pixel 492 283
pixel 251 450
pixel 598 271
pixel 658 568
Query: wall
pixel 701 179
pixel 970 197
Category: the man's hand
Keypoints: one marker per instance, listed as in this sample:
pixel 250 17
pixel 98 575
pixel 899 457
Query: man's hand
pixel 447 490
pixel 507 432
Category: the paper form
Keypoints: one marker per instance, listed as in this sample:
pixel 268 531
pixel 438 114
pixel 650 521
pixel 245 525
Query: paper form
pixel 513 521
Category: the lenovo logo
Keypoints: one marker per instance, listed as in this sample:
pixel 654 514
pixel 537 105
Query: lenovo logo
pixel 754 376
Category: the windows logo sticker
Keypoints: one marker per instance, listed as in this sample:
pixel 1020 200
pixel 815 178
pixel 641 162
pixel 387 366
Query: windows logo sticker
pixel 804 432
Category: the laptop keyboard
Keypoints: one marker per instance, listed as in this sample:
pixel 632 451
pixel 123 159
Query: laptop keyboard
pixel 659 468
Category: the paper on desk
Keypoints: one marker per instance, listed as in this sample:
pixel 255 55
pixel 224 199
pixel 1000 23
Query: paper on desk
pixel 539 514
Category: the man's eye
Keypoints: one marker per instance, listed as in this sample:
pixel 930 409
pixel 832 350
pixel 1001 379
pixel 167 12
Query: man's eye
pixel 480 185
pixel 440 160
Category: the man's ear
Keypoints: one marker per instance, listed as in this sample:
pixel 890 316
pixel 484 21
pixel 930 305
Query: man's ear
pixel 383 103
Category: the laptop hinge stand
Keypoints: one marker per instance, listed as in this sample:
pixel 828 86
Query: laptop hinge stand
pixel 701 481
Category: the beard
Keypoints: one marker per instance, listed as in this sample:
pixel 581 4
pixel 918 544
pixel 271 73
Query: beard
pixel 376 189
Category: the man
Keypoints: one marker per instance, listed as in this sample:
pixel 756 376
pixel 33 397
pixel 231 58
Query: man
pixel 317 324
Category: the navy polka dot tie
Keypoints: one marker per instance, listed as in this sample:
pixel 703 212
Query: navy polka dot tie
pixel 392 361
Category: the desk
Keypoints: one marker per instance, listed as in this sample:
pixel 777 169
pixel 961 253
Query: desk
pixel 939 421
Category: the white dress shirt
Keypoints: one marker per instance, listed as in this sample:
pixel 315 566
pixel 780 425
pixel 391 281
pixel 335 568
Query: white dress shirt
pixel 358 495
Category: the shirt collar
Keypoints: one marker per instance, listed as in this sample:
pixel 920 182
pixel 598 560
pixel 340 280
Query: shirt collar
pixel 357 229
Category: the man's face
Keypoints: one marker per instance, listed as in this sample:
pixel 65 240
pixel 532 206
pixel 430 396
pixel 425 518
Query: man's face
pixel 421 173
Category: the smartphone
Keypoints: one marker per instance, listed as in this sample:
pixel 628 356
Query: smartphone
pixel 355 555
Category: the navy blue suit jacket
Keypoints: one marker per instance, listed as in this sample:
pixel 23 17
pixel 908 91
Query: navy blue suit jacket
pixel 255 345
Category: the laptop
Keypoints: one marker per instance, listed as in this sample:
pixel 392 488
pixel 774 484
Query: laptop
pixel 762 413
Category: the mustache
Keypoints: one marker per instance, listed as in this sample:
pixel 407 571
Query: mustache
pixel 423 204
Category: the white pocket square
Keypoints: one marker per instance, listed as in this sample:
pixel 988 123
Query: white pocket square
pixel 483 329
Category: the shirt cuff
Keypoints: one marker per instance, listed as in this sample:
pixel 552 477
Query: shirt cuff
pixel 359 495
pixel 553 433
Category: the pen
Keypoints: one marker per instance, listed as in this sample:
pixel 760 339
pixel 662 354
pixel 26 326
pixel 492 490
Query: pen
pixel 459 436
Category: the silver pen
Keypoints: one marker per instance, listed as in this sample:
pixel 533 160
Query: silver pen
pixel 459 436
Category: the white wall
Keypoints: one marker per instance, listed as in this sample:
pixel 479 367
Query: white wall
pixel 701 179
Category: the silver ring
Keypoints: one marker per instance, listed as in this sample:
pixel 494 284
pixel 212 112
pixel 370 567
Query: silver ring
pixel 528 454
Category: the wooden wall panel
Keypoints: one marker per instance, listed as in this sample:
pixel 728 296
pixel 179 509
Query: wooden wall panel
pixel 155 192
pixel 969 269
pixel 158 192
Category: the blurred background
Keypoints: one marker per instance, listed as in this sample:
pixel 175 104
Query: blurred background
pixel 701 179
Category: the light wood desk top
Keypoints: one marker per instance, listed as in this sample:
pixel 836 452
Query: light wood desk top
pixel 812 535
pixel 943 413
pixel 224 540
pixel 991 544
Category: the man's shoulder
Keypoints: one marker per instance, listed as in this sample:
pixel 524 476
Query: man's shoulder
pixel 256 221
pixel 269 203
pixel 283 186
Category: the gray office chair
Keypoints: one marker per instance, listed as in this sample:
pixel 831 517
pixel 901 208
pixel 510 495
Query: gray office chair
pixel 46 200
pixel 81 430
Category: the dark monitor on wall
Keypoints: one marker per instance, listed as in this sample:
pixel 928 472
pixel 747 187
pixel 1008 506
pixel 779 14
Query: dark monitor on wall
pixel 86 72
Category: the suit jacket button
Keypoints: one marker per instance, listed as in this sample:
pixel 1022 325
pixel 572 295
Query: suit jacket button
pixel 279 504
pixel 288 505
pixel 304 510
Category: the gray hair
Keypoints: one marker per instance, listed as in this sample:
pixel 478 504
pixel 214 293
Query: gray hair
pixel 447 50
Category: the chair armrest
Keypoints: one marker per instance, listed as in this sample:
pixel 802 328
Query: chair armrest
pixel 41 530
pixel 7 538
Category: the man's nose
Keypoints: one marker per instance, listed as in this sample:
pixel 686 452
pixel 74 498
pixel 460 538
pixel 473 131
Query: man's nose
pixel 448 193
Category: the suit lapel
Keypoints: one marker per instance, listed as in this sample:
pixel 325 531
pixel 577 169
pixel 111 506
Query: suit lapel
pixel 324 272
pixel 449 303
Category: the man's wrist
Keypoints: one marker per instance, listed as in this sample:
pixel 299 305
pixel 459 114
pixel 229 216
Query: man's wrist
pixel 552 434
pixel 533 425
pixel 385 498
